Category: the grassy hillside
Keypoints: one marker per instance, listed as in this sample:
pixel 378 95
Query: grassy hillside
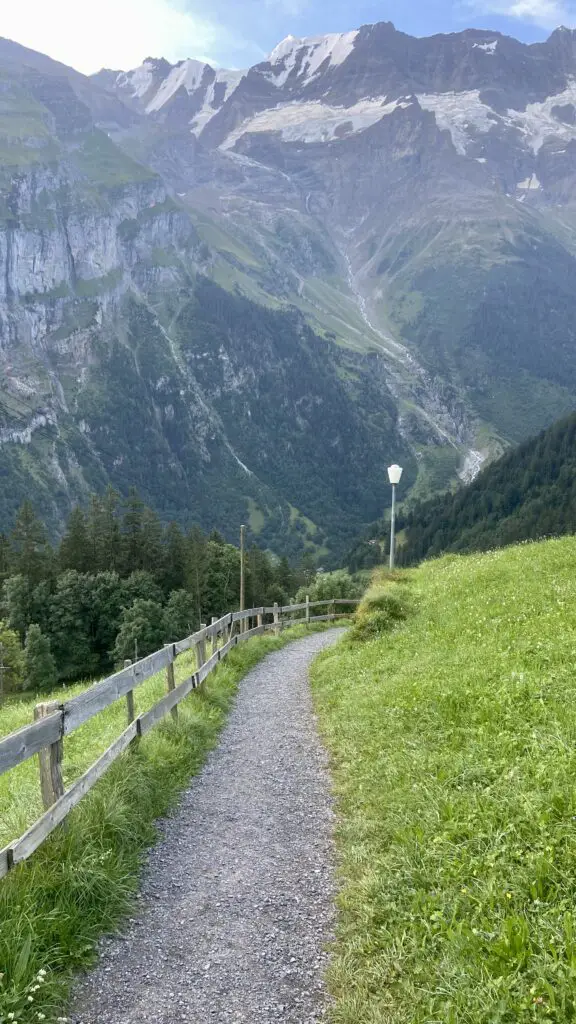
pixel 527 494
pixel 453 748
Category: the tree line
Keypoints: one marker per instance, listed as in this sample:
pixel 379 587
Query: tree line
pixel 118 585
pixel 527 494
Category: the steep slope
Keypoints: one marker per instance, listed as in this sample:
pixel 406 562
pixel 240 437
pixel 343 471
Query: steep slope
pixel 121 362
pixel 528 494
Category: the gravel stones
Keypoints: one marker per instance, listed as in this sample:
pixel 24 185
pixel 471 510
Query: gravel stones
pixel 236 904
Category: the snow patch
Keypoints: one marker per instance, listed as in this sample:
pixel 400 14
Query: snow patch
pixel 335 48
pixel 458 112
pixel 187 73
pixel 315 121
pixel 538 123
pixel 487 47
pixel 463 114
pixel 530 183
pixel 231 81
pixel 138 81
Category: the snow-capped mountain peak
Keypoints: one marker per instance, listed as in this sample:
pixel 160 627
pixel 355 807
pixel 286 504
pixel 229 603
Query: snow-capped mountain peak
pixel 187 74
pixel 303 58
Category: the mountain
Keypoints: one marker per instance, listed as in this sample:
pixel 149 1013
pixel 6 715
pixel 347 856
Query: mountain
pixel 527 494
pixel 432 179
pixel 246 291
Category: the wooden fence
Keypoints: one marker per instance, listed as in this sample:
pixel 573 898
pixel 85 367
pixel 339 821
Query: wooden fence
pixel 53 721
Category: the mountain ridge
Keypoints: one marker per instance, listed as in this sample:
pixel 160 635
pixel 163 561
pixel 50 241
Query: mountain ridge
pixel 411 201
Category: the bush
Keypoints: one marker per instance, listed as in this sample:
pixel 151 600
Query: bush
pixel 339 584
pixel 383 615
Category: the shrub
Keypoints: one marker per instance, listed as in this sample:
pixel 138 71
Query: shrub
pixel 381 616
pixel 339 584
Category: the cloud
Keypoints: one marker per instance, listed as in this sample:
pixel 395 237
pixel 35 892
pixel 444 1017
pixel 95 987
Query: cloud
pixel 109 33
pixel 546 13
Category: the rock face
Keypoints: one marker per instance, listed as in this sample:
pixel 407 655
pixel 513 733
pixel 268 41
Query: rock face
pixel 244 291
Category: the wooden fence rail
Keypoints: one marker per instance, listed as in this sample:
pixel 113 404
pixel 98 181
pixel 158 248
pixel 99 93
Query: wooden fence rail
pixel 53 721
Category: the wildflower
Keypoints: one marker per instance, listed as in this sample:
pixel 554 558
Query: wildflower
pixel 41 1016
pixel 30 999
pixel 11 1016
pixel 508 895
pixel 42 972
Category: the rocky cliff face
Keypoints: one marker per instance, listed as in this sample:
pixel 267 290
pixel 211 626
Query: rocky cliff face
pixel 121 361
pixel 410 200
pixel 436 176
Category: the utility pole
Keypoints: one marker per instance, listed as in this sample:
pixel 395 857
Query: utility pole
pixel 242 574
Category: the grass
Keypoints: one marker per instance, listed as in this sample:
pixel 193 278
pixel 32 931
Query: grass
pixel 453 749
pixel 82 882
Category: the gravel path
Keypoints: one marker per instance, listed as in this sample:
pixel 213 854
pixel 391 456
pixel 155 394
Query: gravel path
pixel 237 896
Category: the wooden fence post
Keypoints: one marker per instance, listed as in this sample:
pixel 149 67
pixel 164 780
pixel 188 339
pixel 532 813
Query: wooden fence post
pixel 201 650
pixel 276 619
pixel 50 760
pixel 260 620
pixel 170 681
pixel 129 696
pixel 307 609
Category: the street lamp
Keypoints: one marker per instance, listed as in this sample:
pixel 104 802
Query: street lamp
pixel 394 476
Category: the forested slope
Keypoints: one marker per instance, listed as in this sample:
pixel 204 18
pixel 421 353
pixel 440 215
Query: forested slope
pixel 528 493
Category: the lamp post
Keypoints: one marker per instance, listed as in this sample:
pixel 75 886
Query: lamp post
pixel 394 476
pixel 242 574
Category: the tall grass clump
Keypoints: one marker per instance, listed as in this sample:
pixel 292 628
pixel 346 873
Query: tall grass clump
pixel 453 748
pixel 82 882
pixel 384 605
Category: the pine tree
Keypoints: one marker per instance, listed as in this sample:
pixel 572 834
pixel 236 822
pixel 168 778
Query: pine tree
pixel 5 558
pixel 132 540
pixel 196 568
pixel 40 665
pixel 152 553
pixel 104 532
pixel 31 552
pixel 175 559
pixel 75 548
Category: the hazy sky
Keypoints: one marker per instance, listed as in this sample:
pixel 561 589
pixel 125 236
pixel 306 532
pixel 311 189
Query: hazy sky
pixel 90 34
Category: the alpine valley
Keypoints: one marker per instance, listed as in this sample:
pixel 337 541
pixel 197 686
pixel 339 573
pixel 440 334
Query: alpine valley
pixel 246 292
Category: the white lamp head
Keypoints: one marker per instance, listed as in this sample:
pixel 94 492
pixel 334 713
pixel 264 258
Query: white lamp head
pixel 394 474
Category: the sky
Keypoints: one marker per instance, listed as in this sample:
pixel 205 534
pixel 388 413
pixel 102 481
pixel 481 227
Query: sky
pixel 90 34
